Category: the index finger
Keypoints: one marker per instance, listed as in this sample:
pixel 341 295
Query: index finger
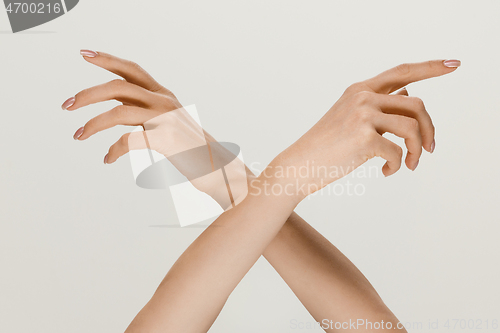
pixel 404 74
pixel 127 69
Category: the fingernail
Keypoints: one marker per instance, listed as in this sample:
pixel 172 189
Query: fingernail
pixel 452 63
pixel 70 101
pixel 78 133
pixel 433 146
pixel 416 165
pixel 88 53
pixel 106 159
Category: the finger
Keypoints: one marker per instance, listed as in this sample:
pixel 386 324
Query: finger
pixel 409 107
pixel 406 128
pixel 120 115
pixel 126 143
pixel 390 152
pixel 128 70
pixel 119 90
pixel 402 75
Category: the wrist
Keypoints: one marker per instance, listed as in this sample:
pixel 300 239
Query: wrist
pixel 274 181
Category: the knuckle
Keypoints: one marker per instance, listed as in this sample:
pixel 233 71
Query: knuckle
pixel 362 97
pixel 403 69
pixel 158 88
pixel 363 115
pixel 120 111
pixel 418 102
pixel 164 90
pixel 413 129
pixel 413 124
pixel 134 65
pixel 117 83
pixel 367 136
pixel 430 64
pixel 167 103
pixel 355 87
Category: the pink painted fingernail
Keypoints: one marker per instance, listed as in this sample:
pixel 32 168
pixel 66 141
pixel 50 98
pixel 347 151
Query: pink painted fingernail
pixel 452 63
pixel 78 133
pixel 70 101
pixel 88 53
pixel 433 146
pixel 106 159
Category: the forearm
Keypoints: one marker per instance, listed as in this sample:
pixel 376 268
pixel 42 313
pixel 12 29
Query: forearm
pixel 199 283
pixel 321 276
pixel 326 282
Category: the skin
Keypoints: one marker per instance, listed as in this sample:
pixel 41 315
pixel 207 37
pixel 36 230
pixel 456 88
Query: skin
pixel 197 286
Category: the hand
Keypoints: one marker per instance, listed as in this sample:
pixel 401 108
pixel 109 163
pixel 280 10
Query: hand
pixel 169 129
pixel 350 133
pixel 142 98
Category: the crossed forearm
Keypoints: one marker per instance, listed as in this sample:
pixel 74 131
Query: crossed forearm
pixel 195 289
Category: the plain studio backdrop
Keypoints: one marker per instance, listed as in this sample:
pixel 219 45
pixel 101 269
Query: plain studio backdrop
pixel 82 248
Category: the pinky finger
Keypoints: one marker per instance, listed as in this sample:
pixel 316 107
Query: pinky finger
pixel 390 152
pixel 127 142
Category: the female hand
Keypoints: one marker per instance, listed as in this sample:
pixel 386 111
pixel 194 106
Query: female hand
pixel 350 133
pixel 169 129
pixel 142 98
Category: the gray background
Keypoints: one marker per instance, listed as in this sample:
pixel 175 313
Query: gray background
pixel 77 250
